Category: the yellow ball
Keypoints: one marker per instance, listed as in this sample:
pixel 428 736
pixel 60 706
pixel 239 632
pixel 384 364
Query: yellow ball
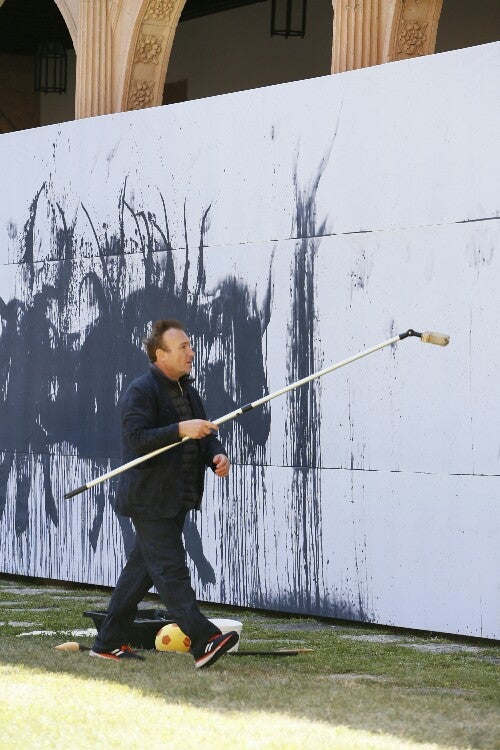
pixel 171 638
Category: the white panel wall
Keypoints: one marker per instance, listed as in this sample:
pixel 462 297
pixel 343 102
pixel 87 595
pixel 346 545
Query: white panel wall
pixel 341 211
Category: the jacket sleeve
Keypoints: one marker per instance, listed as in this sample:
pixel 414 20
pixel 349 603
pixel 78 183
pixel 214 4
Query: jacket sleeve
pixel 139 415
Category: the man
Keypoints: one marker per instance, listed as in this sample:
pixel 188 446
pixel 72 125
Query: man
pixel 160 408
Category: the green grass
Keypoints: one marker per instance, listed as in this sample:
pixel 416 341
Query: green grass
pixel 348 693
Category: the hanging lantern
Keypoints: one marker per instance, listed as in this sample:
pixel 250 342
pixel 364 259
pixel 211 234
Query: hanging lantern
pixel 51 68
pixel 288 18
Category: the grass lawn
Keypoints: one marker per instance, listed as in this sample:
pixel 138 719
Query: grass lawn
pixel 361 687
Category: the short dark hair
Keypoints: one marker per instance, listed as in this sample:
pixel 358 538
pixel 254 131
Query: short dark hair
pixel 154 340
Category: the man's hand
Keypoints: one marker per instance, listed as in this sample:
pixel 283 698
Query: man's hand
pixel 222 464
pixel 196 428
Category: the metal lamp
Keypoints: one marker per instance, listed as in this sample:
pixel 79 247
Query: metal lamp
pixel 288 18
pixel 51 68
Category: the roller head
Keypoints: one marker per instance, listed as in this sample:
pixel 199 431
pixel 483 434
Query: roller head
pixel 428 337
pixel 441 339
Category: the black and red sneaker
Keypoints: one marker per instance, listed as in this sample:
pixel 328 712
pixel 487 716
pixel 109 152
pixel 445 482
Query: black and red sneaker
pixel 216 647
pixel 117 654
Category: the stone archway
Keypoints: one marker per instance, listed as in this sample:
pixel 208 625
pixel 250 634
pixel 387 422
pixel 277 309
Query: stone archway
pixel 149 53
pixel 123 51
pixel 124 46
pixel 67 11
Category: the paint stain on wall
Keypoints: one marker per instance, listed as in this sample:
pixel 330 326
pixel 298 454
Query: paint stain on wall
pixel 79 320
pixel 85 297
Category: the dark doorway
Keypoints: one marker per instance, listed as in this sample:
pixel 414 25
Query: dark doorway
pixel 465 24
pixel 23 25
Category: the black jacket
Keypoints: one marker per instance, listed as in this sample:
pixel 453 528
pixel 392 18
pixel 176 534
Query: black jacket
pixel 154 488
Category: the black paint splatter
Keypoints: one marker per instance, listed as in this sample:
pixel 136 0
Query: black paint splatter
pixel 302 448
pixel 72 340
pixel 60 387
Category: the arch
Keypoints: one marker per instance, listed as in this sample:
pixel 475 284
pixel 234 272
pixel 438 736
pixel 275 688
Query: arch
pixel 151 40
pixel 69 11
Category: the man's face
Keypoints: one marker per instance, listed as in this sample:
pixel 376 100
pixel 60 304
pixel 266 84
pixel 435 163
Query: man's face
pixel 175 359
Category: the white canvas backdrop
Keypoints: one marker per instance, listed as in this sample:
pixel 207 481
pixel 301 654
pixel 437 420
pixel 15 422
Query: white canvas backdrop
pixel 353 206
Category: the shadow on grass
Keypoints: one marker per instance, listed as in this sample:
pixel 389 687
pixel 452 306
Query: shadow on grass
pixel 364 687
pixel 379 687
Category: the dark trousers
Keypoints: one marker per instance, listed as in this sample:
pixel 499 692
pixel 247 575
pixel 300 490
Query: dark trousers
pixel 157 558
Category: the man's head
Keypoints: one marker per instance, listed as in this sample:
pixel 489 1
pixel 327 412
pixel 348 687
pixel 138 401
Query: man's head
pixel 169 348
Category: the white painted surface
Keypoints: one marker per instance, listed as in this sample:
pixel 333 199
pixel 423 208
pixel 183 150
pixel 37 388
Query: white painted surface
pixel 397 522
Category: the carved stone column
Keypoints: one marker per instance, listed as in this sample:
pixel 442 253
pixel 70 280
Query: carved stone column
pixel 414 28
pixel 370 32
pixel 355 34
pixel 93 61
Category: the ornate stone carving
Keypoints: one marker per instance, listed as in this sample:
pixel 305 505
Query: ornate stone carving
pixel 412 37
pixel 158 10
pixel 141 94
pixel 148 49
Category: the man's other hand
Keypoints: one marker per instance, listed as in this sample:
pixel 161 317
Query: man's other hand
pixel 222 464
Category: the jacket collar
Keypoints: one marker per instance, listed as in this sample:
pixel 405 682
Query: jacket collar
pixel 184 380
